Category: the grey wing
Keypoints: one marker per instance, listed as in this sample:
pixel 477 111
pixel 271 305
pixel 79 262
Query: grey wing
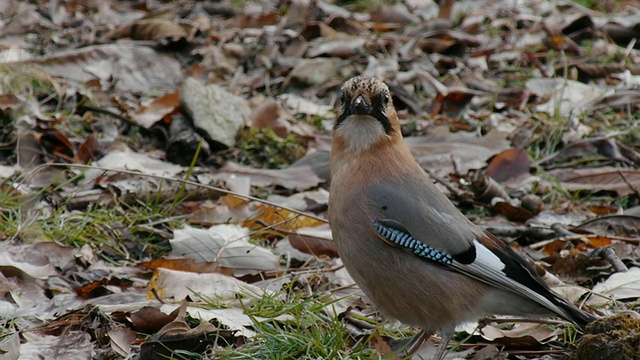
pixel 421 210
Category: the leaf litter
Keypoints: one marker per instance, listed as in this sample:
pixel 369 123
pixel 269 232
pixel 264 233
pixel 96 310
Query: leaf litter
pixel 526 115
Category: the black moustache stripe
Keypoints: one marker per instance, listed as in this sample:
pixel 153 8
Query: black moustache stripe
pixel 375 113
pixel 382 119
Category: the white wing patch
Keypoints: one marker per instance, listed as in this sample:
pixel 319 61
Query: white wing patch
pixel 487 258
pixel 360 132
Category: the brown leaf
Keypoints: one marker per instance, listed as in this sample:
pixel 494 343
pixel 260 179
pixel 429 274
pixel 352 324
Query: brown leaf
pixel 280 218
pixel 157 110
pixel 99 288
pixel 178 335
pixel 88 150
pixel 452 103
pixel 313 245
pixel 598 146
pixel 270 115
pixel 252 18
pixel 313 241
pixel 121 340
pixel 190 265
pixel 378 343
pixel 8 102
pixel 397 13
pixel 603 209
pixel 442 46
pixel 554 247
pixel 509 164
pixel 576 268
pixel 511 212
pixel 55 142
pixel 149 319
pixel 158 29
pixel 599 241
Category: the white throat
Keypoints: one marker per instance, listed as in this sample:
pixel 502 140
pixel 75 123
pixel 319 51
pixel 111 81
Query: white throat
pixel 360 132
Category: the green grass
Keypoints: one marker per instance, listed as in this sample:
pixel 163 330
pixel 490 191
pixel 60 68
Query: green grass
pixel 308 334
pixel 364 5
pixel 601 5
pixel 263 148
pixel 119 232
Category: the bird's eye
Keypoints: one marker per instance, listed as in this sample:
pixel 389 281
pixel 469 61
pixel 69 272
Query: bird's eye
pixel 342 98
pixel 386 98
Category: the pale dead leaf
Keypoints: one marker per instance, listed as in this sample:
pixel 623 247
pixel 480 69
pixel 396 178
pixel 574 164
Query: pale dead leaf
pixel 302 200
pixel 121 340
pixel 428 351
pixel 623 285
pixel 540 332
pixel 228 245
pixel 565 95
pixel 234 318
pixel 296 104
pixel 25 259
pixel 573 293
pixel 616 225
pixel 342 47
pixel 441 148
pixel 622 181
pixel 297 178
pixel 7 171
pixel 71 345
pixel 10 346
pixel 157 109
pixel 172 284
pixel 136 68
pixel 128 160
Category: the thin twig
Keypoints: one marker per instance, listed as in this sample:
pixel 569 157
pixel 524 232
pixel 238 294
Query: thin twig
pixel 614 259
pixel 444 183
pixel 636 191
pixel 187 182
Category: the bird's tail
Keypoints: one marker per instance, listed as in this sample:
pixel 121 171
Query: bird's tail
pixel 571 313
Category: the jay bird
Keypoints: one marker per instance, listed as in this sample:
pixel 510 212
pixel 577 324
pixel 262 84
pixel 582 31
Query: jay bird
pixel 409 249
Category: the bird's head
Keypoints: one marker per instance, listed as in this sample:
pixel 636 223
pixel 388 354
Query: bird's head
pixel 367 116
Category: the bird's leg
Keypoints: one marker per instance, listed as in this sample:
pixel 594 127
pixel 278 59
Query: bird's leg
pixel 417 342
pixel 446 336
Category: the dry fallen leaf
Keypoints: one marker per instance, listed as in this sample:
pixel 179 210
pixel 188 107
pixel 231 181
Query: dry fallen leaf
pixel 157 109
pixel 621 181
pixel 619 286
pixel 520 335
pixel 509 164
pixel 298 178
pixel 227 245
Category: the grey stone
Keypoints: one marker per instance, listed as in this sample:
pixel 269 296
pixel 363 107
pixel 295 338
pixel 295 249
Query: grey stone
pixel 214 110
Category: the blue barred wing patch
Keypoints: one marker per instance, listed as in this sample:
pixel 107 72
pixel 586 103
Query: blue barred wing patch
pixel 410 243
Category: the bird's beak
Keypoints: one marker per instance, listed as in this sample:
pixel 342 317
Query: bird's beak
pixel 359 106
